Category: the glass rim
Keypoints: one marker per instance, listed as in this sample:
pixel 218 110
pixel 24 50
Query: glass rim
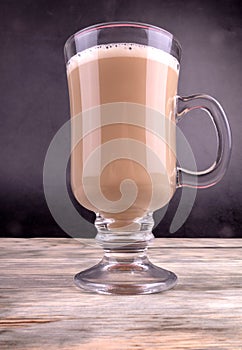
pixel 134 24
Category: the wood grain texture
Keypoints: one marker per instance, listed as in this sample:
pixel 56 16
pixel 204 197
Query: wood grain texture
pixel 40 308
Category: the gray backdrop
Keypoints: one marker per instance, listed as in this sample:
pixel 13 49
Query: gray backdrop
pixel 34 101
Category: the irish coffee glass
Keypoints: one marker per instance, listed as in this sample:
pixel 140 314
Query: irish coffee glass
pixel 122 80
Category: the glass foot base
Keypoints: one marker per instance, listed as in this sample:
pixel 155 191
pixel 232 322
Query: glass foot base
pixel 138 276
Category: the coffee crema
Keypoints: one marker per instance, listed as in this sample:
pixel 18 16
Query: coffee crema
pixel 135 75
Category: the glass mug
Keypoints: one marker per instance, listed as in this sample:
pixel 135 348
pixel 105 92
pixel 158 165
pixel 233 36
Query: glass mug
pixel 122 80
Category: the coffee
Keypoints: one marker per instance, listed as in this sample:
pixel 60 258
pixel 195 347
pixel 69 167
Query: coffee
pixel 133 75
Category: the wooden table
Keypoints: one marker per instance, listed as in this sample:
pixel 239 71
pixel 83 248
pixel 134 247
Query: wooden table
pixel 40 308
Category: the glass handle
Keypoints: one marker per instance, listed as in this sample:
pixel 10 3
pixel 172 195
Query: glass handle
pixel 210 176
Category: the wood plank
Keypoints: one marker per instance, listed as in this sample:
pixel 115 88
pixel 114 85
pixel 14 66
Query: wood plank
pixel 41 308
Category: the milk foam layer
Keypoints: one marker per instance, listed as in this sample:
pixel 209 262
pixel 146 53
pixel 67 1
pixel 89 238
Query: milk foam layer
pixel 122 50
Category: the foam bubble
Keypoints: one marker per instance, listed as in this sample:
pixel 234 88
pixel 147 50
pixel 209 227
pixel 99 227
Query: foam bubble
pixel 124 50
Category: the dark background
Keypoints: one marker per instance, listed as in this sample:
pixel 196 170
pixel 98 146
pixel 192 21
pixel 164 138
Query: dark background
pixel 34 101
